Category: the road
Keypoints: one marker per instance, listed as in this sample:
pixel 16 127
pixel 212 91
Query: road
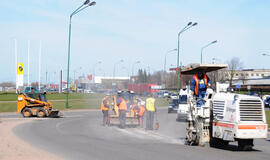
pixel 80 135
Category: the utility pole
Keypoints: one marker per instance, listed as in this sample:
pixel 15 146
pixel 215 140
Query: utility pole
pixel 39 68
pixel 16 62
pixel 28 63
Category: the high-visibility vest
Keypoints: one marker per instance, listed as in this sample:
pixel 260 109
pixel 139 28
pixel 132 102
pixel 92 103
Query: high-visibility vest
pixel 123 104
pixel 139 109
pixel 107 103
pixel 150 104
pixel 142 110
pixel 196 78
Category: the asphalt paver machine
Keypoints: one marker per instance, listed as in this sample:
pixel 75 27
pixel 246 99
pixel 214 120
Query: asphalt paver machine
pixel 131 118
pixel 33 103
pixel 224 117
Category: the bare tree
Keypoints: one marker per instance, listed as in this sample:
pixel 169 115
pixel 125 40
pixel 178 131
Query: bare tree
pixel 234 65
pixel 243 78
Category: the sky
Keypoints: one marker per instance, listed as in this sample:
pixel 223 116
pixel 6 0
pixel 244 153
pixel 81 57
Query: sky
pixel 130 30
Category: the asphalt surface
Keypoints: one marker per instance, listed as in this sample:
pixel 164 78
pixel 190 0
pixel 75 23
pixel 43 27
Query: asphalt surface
pixel 80 135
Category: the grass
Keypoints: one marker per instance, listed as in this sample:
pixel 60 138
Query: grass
pixel 268 117
pixel 76 101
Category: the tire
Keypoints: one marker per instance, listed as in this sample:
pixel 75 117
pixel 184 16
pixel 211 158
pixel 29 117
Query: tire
pixel 41 113
pixel 245 144
pixel 199 127
pixel 218 143
pixel 27 113
pixel 169 111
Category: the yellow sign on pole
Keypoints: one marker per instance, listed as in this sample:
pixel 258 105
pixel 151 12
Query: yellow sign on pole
pixel 19 68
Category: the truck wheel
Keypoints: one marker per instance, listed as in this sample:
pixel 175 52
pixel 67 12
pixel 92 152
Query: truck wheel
pixel 218 143
pixel 27 113
pixel 41 113
pixel 245 144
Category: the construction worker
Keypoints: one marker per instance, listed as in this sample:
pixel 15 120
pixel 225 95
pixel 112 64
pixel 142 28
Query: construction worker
pixel 150 112
pixel 199 84
pixel 139 111
pixel 122 105
pixel 105 106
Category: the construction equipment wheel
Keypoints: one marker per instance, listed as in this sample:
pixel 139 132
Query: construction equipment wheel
pixel 41 113
pixel 218 143
pixel 198 125
pixel 27 113
pixel 245 144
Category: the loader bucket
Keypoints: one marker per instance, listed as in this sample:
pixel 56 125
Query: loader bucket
pixel 54 114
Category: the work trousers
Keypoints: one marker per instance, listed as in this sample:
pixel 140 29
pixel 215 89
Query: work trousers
pixel 150 120
pixel 105 117
pixel 122 118
pixel 140 118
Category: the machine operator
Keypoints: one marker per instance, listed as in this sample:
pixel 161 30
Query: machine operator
pixel 199 84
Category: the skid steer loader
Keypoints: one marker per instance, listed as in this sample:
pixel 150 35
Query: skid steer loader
pixel 32 103
pixel 224 117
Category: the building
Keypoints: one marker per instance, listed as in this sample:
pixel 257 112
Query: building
pixel 112 82
pixel 252 74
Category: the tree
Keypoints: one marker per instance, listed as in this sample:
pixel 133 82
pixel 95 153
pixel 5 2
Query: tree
pixel 234 64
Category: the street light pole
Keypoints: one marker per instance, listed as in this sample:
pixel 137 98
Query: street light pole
pixel 188 26
pixel 170 51
pixel 114 68
pixel 80 8
pixel 94 68
pixel 137 62
pixel 264 54
pixel 164 72
pixel 205 47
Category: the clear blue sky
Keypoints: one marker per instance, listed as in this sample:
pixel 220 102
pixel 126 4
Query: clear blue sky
pixel 131 30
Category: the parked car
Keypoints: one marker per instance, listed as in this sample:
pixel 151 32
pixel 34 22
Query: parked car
pixel 267 102
pixel 174 96
pixel 173 106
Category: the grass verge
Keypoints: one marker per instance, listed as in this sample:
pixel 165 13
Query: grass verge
pixel 76 101
pixel 268 118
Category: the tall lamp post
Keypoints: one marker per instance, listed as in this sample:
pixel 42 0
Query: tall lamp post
pixel 86 4
pixel 114 67
pixel 206 47
pixel 188 26
pixel 164 72
pixel 94 69
pixel 264 54
pixel 137 62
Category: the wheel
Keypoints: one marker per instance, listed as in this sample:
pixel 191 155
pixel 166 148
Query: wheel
pixel 245 144
pixel 169 111
pixel 198 125
pixel 27 113
pixel 41 113
pixel 218 143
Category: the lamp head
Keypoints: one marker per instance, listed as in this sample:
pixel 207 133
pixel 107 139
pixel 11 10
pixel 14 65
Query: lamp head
pixel 194 24
pixel 86 2
pixel 92 3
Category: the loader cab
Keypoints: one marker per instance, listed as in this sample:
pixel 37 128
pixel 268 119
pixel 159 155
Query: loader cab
pixel 32 92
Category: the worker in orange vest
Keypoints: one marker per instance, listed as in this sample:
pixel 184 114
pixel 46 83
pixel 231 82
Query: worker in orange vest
pixel 122 105
pixel 199 84
pixel 139 111
pixel 105 107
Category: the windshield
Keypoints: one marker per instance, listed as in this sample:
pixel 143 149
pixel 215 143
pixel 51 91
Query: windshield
pixel 183 99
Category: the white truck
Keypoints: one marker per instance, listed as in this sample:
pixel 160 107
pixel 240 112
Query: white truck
pixel 225 117
pixel 183 105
